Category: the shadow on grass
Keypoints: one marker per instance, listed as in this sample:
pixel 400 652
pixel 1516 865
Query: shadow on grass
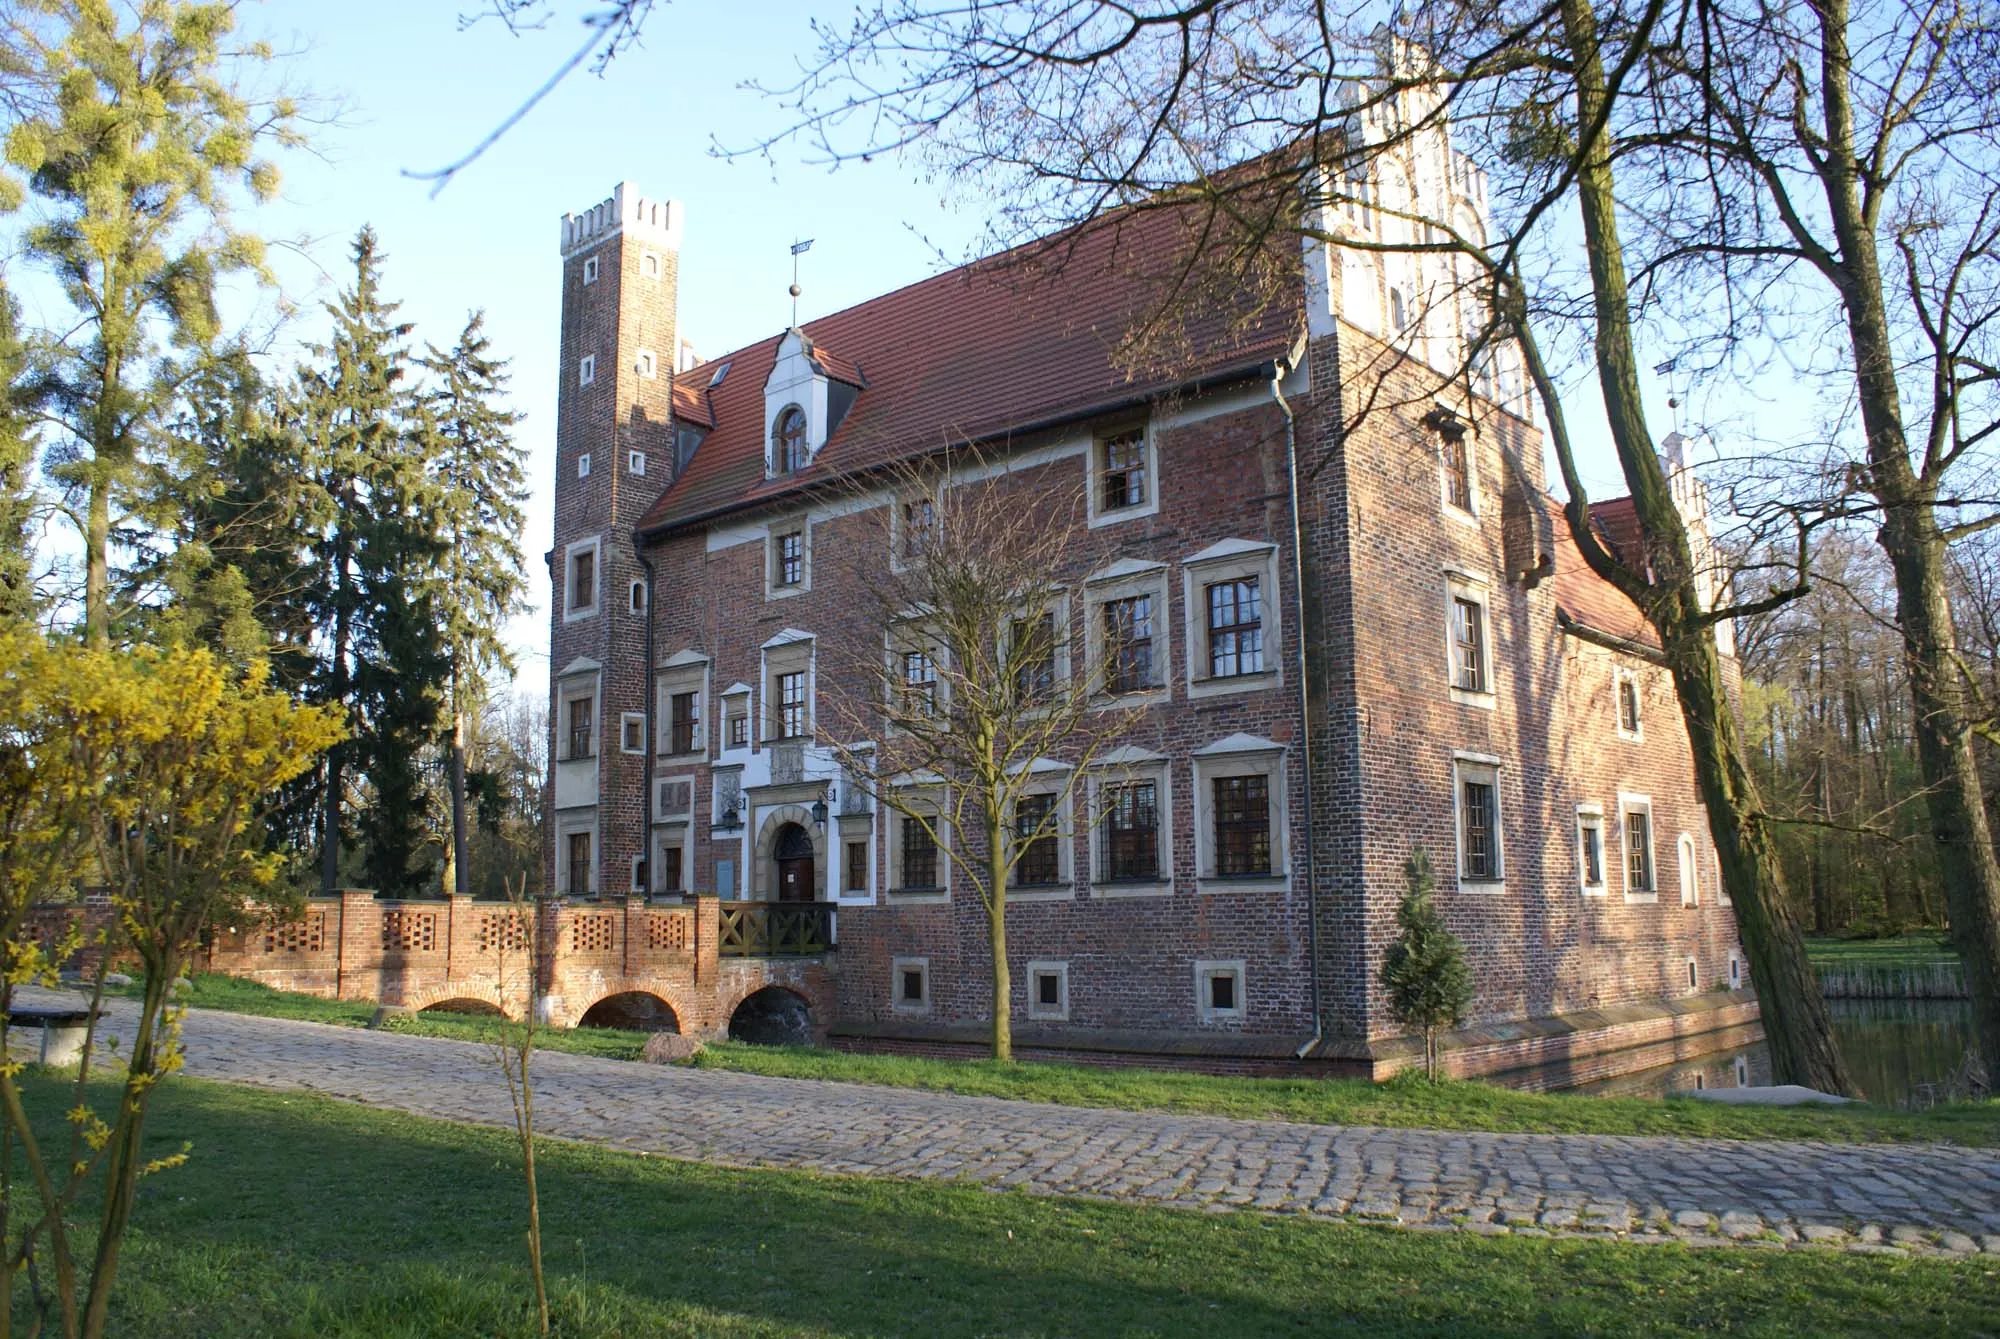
pixel 303 1216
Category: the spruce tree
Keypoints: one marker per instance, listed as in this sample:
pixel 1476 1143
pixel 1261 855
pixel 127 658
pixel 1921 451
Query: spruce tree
pixel 1424 969
pixel 480 473
pixel 352 410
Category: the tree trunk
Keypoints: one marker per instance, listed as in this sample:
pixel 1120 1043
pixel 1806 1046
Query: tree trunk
pixel 460 843
pixel 1916 548
pixel 97 563
pixel 996 920
pixel 337 690
pixel 1797 1028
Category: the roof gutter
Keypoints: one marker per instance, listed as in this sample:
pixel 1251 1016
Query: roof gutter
pixel 1610 641
pixel 1277 374
pixel 1263 368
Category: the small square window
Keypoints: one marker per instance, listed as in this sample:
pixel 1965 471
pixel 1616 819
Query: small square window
pixel 857 869
pixel 632 732
pixel 586 369
pixel 646 365
pixel 737 726
pixel 1219 990
pixel 635 463
pixel 583 466
pixel 1048 990
pixel 1636 822
pixel 910 984
pixel 590 270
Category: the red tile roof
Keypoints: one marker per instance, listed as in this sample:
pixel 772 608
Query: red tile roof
pixel 1001 345
pixel 1583 595
pixel 691 401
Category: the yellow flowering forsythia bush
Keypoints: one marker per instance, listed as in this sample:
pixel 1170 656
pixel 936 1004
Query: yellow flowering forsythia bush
pixel 148 773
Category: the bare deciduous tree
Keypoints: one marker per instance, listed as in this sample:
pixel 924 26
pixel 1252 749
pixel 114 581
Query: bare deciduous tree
pixel 971 711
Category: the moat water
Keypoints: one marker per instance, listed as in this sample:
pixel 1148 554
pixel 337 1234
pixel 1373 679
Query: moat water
pixel 1893 1047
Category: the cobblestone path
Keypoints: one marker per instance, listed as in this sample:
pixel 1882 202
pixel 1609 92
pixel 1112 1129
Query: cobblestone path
pixel 1876 1198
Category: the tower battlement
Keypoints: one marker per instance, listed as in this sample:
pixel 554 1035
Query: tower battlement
pixel 654 221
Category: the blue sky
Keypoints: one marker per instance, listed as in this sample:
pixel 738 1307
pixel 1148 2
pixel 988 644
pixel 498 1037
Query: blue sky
pixel 413 90
pixel 416 92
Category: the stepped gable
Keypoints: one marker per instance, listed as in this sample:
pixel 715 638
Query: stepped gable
pixel 1001 345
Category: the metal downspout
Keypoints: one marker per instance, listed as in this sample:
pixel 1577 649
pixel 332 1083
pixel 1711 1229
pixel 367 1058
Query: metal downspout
pixel 1305 701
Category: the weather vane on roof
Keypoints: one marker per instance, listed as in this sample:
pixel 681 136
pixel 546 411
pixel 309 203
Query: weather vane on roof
pixel 798 249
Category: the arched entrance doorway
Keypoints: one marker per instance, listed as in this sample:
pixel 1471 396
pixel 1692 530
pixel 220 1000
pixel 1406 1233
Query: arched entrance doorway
pixel 793 854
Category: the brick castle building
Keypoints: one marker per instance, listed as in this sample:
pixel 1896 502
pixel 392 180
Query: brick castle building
pixel 1361 642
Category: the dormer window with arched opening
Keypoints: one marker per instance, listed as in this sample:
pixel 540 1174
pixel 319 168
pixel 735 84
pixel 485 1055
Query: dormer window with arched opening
pixel 788 441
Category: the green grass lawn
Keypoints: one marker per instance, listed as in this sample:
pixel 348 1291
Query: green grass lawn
pixel 1912 950
pixel 1408 1100
pixel 298 1216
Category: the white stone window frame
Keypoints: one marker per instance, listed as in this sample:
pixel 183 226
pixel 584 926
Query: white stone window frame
pixel 790 652
pixel 636 595
pixel 1592 815
pixel 732 697
pixel 1051 1013
pixel 1736 972
pixel 639 874
pixel 1630 803
pixel 565 829
pixel 1057 607
pixel 583 466
pixel 1205 969
pixel 1620 676
pixel 931 799
pixel 897 968
pixel 666 836
pixel 632 733
pixel 1120 767
pixel 1232 560
pixel 590 264
pixel 682 673
pixel 802 526
pixel 594 545
pixel 1693 975
pixel 1123 580
pixel 635 464
pixel 1460 584
pixel 586 370
pixel 578 688
pixel 899 560
pixel 1241 755
pixel 1486 767
pixel 1687 856
pixel 1463 515
pixel 898 640
pixel 1050 778
pixel 647 364
pixel 1096 515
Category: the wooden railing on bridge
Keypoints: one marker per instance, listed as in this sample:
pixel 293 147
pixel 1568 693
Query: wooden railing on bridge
pixel 775 929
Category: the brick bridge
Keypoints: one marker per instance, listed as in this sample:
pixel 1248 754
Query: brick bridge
pixel 683 965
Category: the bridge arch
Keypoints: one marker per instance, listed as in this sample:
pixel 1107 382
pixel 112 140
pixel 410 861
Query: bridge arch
pixel 634 1011
pixel 461 997
pixel 775 1013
